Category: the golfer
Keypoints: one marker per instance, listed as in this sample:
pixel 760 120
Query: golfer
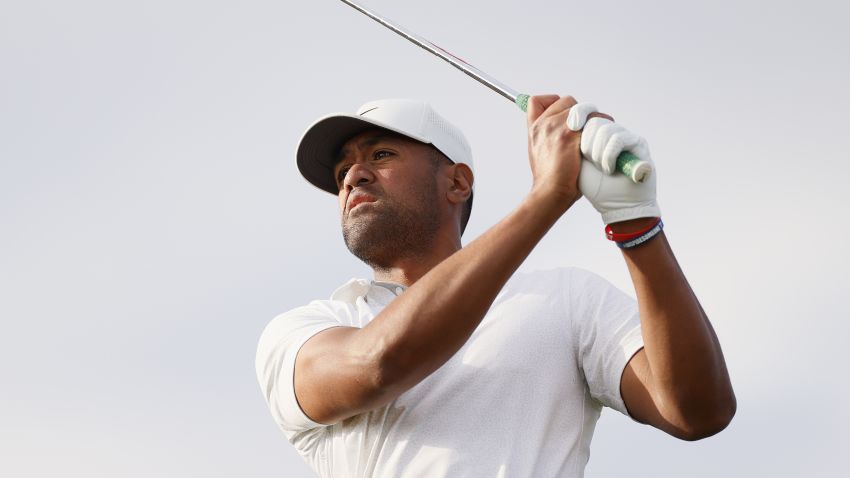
pixel 448 363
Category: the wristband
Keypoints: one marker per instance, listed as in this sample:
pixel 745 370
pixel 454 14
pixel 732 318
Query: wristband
pixel 612 236
pixel 642 237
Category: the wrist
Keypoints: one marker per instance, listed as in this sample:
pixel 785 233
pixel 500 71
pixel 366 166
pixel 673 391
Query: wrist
pixel 553 198
pixel 631 240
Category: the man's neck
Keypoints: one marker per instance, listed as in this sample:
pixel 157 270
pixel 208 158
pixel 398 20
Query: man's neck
pixel 409 270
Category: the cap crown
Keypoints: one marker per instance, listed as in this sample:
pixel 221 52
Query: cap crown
pixel 418 120
pixel 317 151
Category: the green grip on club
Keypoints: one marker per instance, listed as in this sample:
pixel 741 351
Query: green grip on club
pixel 627 163
pixel 522 102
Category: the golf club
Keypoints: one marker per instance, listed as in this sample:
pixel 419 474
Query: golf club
pixel 627 163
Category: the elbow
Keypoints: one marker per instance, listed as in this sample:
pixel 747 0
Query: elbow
pixel 398 368
pixel 387 374
pixel 390 374
pixel 708 421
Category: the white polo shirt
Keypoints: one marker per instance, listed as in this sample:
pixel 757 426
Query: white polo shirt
pixel 521 398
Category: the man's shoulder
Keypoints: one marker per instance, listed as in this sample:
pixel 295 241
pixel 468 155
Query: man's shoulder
pixel 332 310
pixel 315 314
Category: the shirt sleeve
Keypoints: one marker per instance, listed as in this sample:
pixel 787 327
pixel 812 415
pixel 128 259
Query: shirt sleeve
pixel 275 362
pixel 608 334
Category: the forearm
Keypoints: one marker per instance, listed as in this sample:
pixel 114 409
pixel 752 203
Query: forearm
pixel 425 326
pixel 685 367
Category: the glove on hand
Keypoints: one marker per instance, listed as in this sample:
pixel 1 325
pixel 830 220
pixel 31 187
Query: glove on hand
pixel 614 195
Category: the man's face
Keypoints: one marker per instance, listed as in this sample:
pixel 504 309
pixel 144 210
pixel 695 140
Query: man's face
pixel 389 197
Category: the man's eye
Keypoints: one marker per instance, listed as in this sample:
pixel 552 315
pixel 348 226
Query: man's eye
pixel 381 154
pixel 340 176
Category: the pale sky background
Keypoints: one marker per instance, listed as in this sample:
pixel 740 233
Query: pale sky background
pixel 152 220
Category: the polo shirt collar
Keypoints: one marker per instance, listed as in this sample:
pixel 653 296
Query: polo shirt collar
pixel 379 291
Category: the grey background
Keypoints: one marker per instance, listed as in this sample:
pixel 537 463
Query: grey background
pixel 152 220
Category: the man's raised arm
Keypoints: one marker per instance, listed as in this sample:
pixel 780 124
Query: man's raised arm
pixel 342 372
pixel 678 382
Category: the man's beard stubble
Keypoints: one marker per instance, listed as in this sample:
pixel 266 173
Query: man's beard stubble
pixel 392 231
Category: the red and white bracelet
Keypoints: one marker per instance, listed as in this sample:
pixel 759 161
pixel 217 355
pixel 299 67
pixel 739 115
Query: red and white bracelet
pixel 634 239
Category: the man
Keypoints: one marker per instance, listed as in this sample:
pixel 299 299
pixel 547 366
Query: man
pixel 449 364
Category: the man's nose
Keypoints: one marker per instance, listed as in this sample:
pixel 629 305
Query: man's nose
pixel 358 174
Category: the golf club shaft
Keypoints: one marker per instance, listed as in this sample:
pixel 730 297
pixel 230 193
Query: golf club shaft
pixel 453 60
pixel 627 163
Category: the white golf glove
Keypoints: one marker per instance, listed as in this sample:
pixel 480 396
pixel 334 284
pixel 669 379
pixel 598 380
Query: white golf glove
pixel 613 194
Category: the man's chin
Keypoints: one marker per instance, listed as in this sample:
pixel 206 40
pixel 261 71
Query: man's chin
pixel 361 233
pixel 356 215
pixel 369 252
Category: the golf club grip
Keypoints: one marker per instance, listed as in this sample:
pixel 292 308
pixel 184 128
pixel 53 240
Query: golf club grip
pixel 627 163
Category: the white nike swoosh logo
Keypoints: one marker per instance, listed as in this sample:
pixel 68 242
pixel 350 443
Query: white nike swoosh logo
pixel 370 109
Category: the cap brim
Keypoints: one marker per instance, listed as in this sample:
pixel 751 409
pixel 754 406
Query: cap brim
pixel 317 151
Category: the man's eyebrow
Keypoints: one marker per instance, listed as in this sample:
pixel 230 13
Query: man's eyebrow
pixel 366 143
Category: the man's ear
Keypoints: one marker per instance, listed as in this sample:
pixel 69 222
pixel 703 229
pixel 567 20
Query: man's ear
pixel 461 185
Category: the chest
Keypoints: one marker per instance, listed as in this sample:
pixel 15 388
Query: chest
pixel 522 351
pixel 512 391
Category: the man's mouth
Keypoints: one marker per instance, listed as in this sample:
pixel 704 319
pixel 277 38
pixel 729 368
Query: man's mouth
pixel 358 200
